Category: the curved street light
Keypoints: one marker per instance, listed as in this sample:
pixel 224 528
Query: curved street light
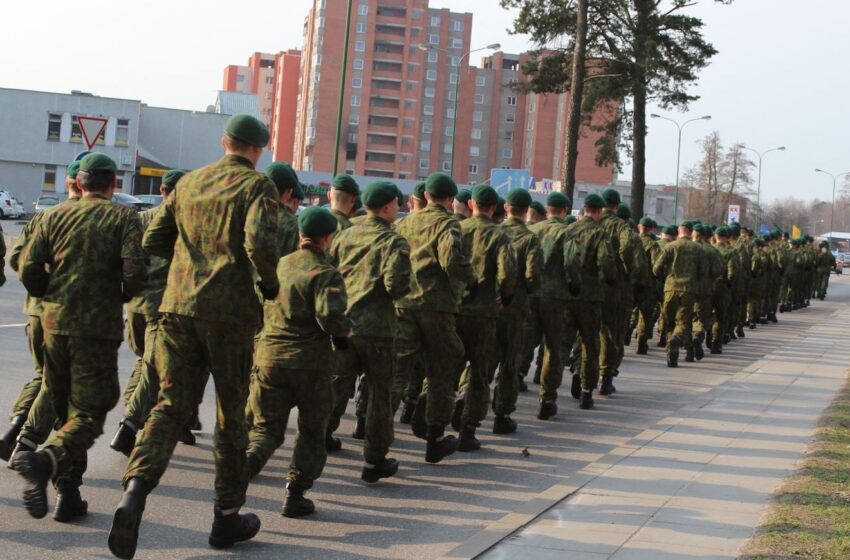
pixel 758 189
pixel 832 211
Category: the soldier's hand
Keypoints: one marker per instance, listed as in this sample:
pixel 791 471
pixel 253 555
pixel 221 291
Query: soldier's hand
pixel 471 294
pixel 574 290
pixel 340 342
pixel 268 293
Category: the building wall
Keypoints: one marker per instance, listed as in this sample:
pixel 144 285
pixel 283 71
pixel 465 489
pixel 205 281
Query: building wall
pixel 287 72
pixel 238 78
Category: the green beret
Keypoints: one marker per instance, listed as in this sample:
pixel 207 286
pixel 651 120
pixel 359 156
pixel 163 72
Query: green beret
pixel 346 184
pixel 537 207
pixel 723 231
pixel 571 219
pixel 669 230
pixel 518 197
pixel 463 196
pixel 315 221
pixel 646 221
pixel 248 129
pixel 500 208
pixel 594 201
pixel 282 175
pixel 759 242
pixel 419 190
pixel 484 195
pixel 379 193
pixel 72 170
pixel 298 192
pixel 440 185
pixel 172 176
pixel 97 161
pixel 624 212
pixel 611 197
pixel 688 225
pixel 736 227
pixel 824 244
pixel 558 199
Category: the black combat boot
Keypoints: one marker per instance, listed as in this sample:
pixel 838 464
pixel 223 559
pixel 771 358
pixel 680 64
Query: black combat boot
pixel 689 354
pixel 457 414
pixel 439 446
pixel 69 503
pixel 185 436
pixel 752 325
pixel 504 424
pixel 22 446
pixel 125 523
pixel 727 338
pixel 195 422
pixel 586 402
pixel 716 347
pixel 575 386
pixel 294 502
pixel 772 317
pixel 739 330
pixel 332 443
pixel 36 467
pixel 7 442
pixel 662 340
pixel 418 422
pixel 385 468
pixel 698 351
pixel 522 386
pixel 230 529
pixel 709 338
pixel 548 409
pixel 607 388
pixel 125 438
pixel 407 408
pixel 763 320
pixel 467 441
pixel 642 347
pixel 359 428
pixel 673 353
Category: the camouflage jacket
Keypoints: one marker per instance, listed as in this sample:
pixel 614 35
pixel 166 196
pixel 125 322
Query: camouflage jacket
pixel 148 303
pixel 619 235
pixel 729 265
pixel 826 261
pixel 529 264
pixel 375 264
pixel 713 267
pixel 308 311
pixel 493 263
pixel 437 258
pixel 220 225
pixel 597 259
pixel 342 221
pixel 681 264
pixel 83 260
pixel 641 268
pixel 561 260
pixel 287 231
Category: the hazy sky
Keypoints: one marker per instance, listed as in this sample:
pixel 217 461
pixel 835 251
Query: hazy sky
pixel 782 76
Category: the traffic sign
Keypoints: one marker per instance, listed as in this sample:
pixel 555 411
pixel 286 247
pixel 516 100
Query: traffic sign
pixel 504 180
pixel 91 128
pixel 734 214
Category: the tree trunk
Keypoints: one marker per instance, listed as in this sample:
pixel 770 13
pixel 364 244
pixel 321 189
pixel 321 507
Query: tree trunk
pixel 643 9
pixel 576 93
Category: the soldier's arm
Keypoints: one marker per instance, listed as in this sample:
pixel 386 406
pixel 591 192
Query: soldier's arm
pixel 452 257
pixel 572 263
pixel 161 234
pixel 533 265
pixel 661 264
pixel 33 263
pixel 26 234
pixel 627 251
pixel 330 303
pixel 396 268
pixel 261 243
pixel 133 269
pixel 506 269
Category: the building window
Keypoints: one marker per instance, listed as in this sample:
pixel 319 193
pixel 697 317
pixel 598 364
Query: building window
pixel 447 166
pixel 433 56
pixel 424 145
pixel 409 103
pixel 452 95
pixel 479 99
pixel 507 152
pixel 452 78
pixel 355 101
pixel 480 81
pixel 431 75
pixel 409 122
pixel 435 21
pixel 122 132
pixel 434 39
pixel 240 78
pixel 352 137
pixel 430 92
pixel 455 60
pixel 354 118
pixel 428 110
pixel 358 64
pixel 414 32
pixel 457 43
pixel 473 169
pixel 361 28
pixel 450 113
pixel 360 46
pixel 450 131
pixel 49 182
pixel 476 134
pixel 416 13
pixel 511 100
pixel 509 135
pixel 423 164
pixel 411 85
pixel 54 126
pixel 447 148
pixel 457 25
pixel 357 83
pixel 510 117
pixel 427 128
pixel 474 151
pixel 119 182
pixel 477 116
pixel 363 9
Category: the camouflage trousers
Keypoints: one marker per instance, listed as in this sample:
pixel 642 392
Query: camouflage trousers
pixel 552 315
pixel 135 337
pixel 41 418
pixel 678 312
pixel 723 323
pixel 429 336
pixel 35 340
pixel 755 306
pixel 187 351
pixel 510 330
pixel 274 393
pixel 81 378
pixel 613 330
pixel 823 282
pixel 585 319
pixel 143 397
pixel 532 338
pixel 478 335
pixel 400 391
pixel 646 307
pixel 703 308
pixel 373 357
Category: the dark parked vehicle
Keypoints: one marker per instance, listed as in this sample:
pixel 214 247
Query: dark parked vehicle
pixel 131 202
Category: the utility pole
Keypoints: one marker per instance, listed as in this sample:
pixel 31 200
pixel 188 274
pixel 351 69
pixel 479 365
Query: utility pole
pixel 342 87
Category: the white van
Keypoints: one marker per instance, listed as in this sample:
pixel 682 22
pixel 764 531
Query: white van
pixel 9 206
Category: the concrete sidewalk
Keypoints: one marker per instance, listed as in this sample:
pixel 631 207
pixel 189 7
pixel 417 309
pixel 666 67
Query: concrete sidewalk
pixel 697 483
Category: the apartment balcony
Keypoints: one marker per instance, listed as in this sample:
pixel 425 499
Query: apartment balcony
pixel 380 158
pixel 391 11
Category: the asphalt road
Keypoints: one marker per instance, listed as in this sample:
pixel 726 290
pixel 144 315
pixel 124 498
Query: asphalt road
pixel 425 512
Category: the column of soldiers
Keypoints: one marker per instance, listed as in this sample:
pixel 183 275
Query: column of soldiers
pixel 438 313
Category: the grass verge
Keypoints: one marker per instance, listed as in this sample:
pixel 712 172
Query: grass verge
pixel 810 516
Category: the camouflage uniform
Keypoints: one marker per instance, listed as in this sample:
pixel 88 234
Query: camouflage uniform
pixel 291 360
pixel 494 266
pixel 704 305
pixel 287 231
pixel 94 252
pixel 649 299
pixel 220 225
pixel 758 285
pixel 375 263
pixel 722 300
pixel 681 265
pixel 532 335
pixel 426 316
pixel 825 264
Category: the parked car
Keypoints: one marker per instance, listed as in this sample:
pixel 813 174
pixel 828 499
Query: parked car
pixel 131 202
pixel 44 202
pixel 9 206
pixel 152 199
pixel 841 259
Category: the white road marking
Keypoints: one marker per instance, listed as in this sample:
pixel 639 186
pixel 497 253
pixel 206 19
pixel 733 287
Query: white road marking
pixel 13 325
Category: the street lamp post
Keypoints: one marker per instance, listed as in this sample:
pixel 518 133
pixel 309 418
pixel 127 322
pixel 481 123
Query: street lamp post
pixel 758 188
pixel 678 155
pixel 832 211
pixel 465 55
